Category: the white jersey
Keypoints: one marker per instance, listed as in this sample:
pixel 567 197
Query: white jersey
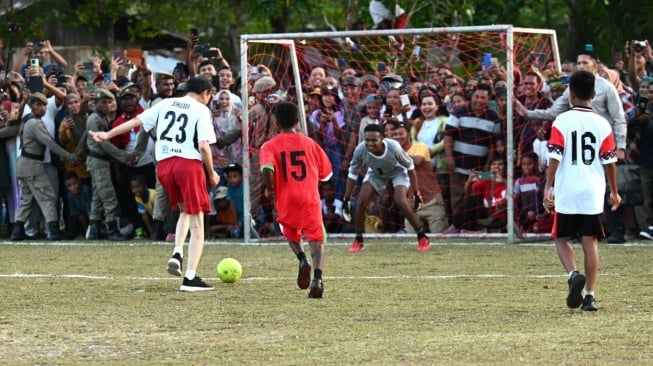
pixel 582 141
pixel 181 123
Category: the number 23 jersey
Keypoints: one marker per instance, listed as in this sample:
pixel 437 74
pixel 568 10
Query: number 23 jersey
pixel 180 124
pixel 582 141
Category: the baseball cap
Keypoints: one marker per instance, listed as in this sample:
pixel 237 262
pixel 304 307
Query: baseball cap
pixel 351 81
pixel 372 99
pixel 38 97
pixel 316 91
pixel 369 77
pixel 129 89
pixel 234 167
pixel 102 93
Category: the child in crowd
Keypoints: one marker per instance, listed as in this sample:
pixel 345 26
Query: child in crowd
pixel 234 173
pixel 331 208
pixel 373 115
pixel 78 199
pixel 225 223
pixel 144 198
pixel 527 193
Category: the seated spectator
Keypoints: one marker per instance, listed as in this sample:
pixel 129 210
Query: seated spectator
pixel 78 198
pixel 144 198
pixel 331 208
pixel 224 224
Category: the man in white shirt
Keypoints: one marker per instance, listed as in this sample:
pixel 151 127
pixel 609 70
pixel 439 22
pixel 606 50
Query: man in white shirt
pixel 184 134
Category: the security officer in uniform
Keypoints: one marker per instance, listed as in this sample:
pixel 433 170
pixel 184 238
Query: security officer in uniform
pixel 34 183
pixel 98 160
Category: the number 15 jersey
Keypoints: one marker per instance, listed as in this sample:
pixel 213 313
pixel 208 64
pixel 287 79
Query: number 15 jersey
pixel 180 124
pixel 582 141
pixel 299 164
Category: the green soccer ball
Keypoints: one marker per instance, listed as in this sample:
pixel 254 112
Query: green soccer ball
pixel 229 270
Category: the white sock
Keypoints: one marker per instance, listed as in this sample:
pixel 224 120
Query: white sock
pixel 571 273
pixel 190 274
pixel 179 251
pixel 585 293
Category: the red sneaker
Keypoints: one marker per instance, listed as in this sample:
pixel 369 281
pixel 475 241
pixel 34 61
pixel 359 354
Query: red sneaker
pixel 423 245
pixel 356 247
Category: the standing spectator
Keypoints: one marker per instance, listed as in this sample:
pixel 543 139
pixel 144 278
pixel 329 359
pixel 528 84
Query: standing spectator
pixel 579 206
pixel 183 164
pixel 228 131
pixel 351 92
pixel 329 125
pixel 432 213
pixel 386 163
pixel 98 161
pixel 526 129
pixel 34 183
pixel 292 165
pixel 469 140
pixel 642 129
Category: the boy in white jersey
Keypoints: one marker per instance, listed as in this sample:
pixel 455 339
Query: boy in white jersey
pixel 581 151
pixel 386 161
pixel 184 132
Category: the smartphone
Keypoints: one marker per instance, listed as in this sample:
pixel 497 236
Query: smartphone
pixel 35 84
pixel 216 105
pixel 194 32
pixel 3 76
pixel 202 48
pixel 494 62
pixel 565 79
pixel 180 69
pixel 416 51
pixel 618 57
pixel 117 54
pixel 641 103
pixel 380 67
pixel 135 56
pixel 211 53
pixel 539 59
pixel 484 175
pixel 405 100
pixel 341 63
pixel 106 78
pixel 487 60
pixel 34 63
pixel 88 66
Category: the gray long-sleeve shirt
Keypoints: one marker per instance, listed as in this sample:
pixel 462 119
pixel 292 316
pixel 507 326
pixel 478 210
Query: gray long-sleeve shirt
pixel 606 103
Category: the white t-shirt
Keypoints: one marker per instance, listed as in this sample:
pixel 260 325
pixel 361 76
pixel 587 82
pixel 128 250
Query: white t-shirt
pixel 582 141
pixel 379 12
pixel 180 124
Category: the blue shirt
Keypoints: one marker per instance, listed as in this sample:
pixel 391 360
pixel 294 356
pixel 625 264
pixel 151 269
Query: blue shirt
pixel 235 195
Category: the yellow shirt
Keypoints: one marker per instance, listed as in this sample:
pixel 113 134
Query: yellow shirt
pixel 148 204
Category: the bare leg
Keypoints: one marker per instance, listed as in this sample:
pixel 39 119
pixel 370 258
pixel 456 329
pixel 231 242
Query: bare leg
pixel 295 247
pixel 402 203
pixel 566 254
pixel 591 250
pixel 317 253
pixel 365 196
pixel 181 231
pixel 196 240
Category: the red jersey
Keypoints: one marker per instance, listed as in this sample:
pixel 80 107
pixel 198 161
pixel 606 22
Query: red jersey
pixel 494 199
pixel 299 164
pixel 121 141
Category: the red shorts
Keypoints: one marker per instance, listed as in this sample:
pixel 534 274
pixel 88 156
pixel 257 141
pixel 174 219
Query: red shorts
pixel 312 233
pixel 185 182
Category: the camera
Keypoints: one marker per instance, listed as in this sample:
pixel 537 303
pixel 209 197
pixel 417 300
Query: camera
pixel 14 27
pixel 638 46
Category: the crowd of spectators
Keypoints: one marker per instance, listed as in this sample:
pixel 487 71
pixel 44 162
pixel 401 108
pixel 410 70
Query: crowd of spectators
pixel 110 190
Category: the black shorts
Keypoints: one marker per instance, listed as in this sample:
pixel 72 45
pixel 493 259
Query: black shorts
pixel 577 225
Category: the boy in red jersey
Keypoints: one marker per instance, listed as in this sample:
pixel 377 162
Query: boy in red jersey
pixel 292 166
pixel 581 150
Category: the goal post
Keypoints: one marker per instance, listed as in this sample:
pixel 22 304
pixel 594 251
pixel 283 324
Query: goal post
pixel 290 57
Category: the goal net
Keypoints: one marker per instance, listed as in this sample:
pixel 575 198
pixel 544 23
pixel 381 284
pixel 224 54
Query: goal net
pixel 388 66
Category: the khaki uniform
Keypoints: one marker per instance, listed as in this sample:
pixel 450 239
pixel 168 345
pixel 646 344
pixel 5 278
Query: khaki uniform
pixel 262 128
pixel 98 164
pixel 34 183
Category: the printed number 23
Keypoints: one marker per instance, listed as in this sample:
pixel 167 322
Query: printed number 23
pixel 296 160
pixel 172 118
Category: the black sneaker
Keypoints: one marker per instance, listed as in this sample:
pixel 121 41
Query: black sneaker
pixel 317 288
pixel 304 275
pixel 575 296
pixel 647 233
pixel 174 264
pixel 589 303
pixel 616 238
pixel 196 284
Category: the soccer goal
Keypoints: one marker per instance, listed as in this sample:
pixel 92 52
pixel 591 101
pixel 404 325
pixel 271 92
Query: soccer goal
pixel 413 54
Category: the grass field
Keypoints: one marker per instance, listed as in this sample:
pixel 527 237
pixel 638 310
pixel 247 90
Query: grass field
pixel 462 303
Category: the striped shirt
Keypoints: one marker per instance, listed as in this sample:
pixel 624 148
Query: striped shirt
pixel 472 136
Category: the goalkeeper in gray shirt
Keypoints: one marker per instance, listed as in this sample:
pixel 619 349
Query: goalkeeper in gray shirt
pixel 386 161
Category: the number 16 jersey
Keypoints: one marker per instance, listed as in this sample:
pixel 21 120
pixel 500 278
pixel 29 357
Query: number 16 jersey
pixel 582 141
pixel 180 124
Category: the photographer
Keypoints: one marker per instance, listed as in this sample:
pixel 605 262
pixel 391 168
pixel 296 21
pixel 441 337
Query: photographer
pixel 640 61
pixel 40 51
